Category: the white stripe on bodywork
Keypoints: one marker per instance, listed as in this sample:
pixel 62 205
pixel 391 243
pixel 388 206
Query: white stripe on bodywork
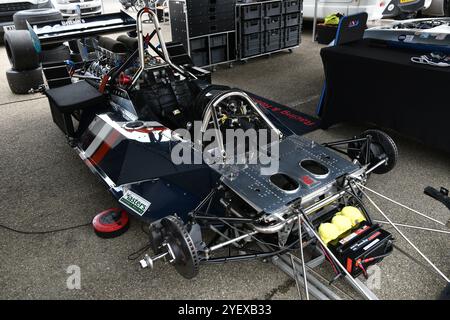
pixel 99 138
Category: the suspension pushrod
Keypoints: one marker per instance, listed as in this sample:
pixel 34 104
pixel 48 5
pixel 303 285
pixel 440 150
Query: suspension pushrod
pixel 406 238
pixel 413 227
pixel 400 204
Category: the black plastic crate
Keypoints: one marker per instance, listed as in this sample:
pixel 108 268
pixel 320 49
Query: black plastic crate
pixel 208 27
pixel 218 41
pixel 201 14
pixel 213 19
pixel 251 26
pixel 251 12
pixel 291 36
pixel 251 45
pixel 272 40
pixel 292 19
pixel 199 43
pixel 291 6
pixel 271 23
pixel 273 8
pixel 218 55
pixel 200 58
pixel 198 4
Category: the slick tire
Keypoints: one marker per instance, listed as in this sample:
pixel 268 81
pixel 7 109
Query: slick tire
pixel 33 16
pixel 20 82
pixel 60 53
pixel 20 50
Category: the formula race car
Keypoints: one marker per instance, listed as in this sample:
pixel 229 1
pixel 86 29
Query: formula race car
pixel 424 35
pixel 214 176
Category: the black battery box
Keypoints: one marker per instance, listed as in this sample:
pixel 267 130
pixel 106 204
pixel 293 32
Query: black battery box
pixel 361 247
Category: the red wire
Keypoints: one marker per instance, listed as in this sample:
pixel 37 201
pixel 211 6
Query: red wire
pixel 360 265
pixel 329 260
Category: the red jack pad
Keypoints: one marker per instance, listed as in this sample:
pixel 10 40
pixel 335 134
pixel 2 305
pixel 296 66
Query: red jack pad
pixel 111 223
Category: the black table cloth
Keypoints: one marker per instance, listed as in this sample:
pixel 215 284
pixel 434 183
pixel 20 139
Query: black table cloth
pixel 380 85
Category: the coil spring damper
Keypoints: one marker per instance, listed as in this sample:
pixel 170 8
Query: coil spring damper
pixel 177 247
pixel 111 223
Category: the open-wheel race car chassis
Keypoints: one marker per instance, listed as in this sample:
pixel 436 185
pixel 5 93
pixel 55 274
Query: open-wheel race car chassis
pixel 128 107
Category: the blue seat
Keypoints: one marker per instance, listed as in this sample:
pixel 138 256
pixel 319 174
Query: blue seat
pixel 350 29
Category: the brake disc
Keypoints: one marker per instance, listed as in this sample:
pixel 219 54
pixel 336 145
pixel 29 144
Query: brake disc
pixel 186 259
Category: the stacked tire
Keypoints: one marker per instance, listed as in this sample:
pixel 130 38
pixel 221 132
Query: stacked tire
pixel 26 73
pixel 50 52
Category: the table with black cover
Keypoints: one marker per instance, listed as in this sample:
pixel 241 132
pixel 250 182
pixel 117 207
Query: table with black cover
pixel 381 86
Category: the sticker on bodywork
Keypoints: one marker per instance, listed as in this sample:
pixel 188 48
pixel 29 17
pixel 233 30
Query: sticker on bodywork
pixel 135 202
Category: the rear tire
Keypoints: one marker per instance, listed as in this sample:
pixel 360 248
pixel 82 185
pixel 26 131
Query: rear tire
pixel 20 82
pixel 21 50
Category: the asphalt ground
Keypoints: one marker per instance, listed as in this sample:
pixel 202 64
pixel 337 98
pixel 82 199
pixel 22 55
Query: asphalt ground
pixel 44 185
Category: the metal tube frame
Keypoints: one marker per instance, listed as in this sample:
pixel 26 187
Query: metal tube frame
pixel 140 34
pixel 438 271
pixel 211 113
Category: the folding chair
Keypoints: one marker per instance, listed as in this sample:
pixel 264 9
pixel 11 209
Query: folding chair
pixel 350 29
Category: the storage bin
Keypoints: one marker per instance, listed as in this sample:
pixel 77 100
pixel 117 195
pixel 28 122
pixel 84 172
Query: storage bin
pixel 272 40
pixel 291 6
pixel 273 8
pixel 271 23
pixel 218 55
pixel 251 45
pixel 251 12
pixel 251 26
pixel 218 41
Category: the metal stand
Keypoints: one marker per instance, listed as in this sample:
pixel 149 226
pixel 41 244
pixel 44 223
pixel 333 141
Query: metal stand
pixel 315 20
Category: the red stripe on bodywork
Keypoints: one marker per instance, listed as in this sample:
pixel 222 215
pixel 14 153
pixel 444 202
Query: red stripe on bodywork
pixel 105 147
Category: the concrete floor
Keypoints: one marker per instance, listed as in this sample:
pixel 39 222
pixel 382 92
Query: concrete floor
pixel 44 185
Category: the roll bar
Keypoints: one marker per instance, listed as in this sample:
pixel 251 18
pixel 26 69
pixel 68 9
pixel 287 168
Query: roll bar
pixel 165 54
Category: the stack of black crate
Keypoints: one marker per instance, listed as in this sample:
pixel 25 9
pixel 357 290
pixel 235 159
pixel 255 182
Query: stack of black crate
pixel 268 26
pixel 206 28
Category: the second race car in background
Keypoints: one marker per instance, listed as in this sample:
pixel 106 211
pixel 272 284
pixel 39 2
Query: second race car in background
pixel 71 8
pixel 376 9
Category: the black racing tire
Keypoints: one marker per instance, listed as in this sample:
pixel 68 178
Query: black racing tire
pixel 20 18
pixel 382 146
pixel 58 54
pixel 20 50
pixel 20 82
